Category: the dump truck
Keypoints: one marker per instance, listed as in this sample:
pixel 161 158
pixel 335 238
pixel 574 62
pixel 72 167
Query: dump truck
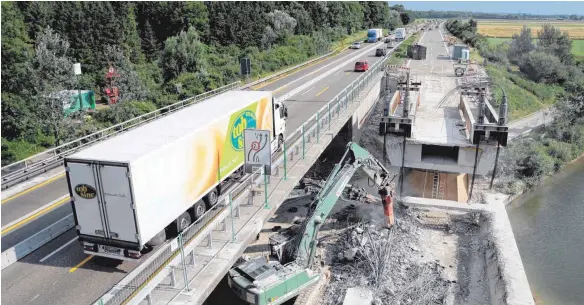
pixel 133 191
pixel 374 35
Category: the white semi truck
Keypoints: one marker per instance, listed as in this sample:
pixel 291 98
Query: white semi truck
pixel 400 34
pixel 137 189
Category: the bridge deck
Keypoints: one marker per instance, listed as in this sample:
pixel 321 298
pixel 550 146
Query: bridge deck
pixel 438 119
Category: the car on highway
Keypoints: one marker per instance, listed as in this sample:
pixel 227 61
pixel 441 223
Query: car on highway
pixel 380 52
pixel 388 40
pixel 355 45
pixel 361 66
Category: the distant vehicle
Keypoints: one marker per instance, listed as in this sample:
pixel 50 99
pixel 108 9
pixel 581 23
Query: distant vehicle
pixel 380 52
pixel 137 189
pixel 361 66
pixel 355 45
pixel 374 35
pixel 390 45
pixel 400 34
pixel 388 40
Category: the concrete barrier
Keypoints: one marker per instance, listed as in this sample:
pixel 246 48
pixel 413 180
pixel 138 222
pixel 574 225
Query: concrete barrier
pixel 25 247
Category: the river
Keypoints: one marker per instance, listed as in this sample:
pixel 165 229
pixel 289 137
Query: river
pixel 548 224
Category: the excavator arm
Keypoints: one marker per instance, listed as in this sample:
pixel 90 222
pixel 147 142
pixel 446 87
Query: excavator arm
pixel 355 157
pixel 263 282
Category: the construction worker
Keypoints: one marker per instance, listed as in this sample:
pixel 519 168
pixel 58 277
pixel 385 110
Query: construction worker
pixel 387 201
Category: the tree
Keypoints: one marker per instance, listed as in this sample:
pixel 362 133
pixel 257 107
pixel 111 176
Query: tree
pixel 521 44
pixel 553 41
pixel 394 20
pixel 398 7
pixel 132 43
pixel 472 25
pixel 183 53
pixel 129 84
pixel 280 26
pixel 405 18
pixel 149 42
pixel 196 15
pixel 16 48
pixel 51 74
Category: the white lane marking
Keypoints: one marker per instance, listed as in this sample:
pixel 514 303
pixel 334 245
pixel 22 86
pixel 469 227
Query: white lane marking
pixel 336 62
pixel 303 93
pixel 337 72
pixel 35 297
pixel 59 249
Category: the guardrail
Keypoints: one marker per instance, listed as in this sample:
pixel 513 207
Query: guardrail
pixel 40 163
pixel 27 246
pixel 49 159
pixel 138 284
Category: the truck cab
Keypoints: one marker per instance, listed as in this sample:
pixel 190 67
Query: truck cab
pixel 280 116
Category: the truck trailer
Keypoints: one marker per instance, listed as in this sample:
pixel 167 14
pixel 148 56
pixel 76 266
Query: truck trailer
pixel 400 34
pixel 133 191
pixel 374 35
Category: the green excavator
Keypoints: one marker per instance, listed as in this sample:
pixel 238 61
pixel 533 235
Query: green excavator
pixel 291 269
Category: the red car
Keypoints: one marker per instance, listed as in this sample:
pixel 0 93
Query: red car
pixel 362 66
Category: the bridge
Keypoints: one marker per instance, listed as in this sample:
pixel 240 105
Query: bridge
pixel 316 95
pixel 323 98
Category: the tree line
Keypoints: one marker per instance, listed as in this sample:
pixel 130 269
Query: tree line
pixel 542 61
pixel 162 52
pixel 478 15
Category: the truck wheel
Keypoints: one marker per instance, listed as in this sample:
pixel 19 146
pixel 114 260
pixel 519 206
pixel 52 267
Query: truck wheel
pixel 158 239
pixel 183 221
pixel 211 198
pixel 199 209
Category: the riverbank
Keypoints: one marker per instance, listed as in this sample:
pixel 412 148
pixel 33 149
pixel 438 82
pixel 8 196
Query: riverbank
pixel 484 195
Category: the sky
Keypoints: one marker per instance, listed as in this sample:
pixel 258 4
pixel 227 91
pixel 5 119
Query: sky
pixel 527 7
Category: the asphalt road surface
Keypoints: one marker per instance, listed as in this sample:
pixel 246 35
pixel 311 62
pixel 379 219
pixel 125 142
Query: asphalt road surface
pixel 60 273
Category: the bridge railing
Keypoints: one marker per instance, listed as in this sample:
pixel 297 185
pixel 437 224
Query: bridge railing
pixel 140 282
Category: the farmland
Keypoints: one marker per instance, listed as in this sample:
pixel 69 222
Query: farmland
pixel 506 28
pixel 499 31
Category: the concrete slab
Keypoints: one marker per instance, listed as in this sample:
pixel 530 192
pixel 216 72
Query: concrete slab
pixel 358 296
pixel 437 117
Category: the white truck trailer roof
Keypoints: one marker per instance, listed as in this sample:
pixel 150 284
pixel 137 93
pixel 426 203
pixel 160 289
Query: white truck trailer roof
pixel 140 141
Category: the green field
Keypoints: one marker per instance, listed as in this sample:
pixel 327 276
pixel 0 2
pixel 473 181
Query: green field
pixel 577 45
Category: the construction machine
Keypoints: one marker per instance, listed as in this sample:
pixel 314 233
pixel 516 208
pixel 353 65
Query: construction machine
pixel 290 268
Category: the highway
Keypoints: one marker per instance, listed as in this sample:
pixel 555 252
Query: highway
pixel 60 273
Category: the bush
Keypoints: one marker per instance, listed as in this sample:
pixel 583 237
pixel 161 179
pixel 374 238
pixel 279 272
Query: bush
pixel 13 151
pixel 542 67
pixel 496 53
pixel 122 112
pixel 533 163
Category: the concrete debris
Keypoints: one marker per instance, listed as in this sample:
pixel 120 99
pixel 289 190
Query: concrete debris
pixel 397 266
pixel 358 296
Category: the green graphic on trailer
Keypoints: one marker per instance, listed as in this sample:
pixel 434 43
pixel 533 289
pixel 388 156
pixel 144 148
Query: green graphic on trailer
pixel 233 147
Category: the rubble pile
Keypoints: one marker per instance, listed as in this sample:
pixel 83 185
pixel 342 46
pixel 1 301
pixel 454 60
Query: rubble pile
pixel 391 263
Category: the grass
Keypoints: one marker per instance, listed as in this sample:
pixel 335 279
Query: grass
pixel 19 150
pixel 359 36
pixel 524 96
pixel 506 29
pixel 399 55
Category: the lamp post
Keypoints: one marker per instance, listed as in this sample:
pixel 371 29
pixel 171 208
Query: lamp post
pixel 502 121
pixel 77 71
